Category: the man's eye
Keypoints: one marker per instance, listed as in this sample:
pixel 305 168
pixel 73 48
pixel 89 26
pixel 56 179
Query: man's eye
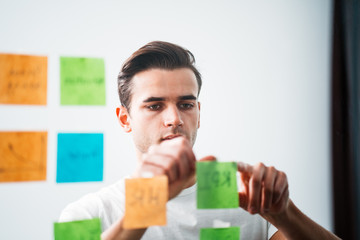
pixel 186 105
pixel 154 107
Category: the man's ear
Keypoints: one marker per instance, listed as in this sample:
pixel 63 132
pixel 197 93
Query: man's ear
pixel 199 115
pixel 124 118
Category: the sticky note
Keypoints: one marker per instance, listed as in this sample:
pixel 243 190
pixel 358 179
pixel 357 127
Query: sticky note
pixel 23 79
pixel 216 185
pixel 78 230
pixel 82 81
pixel 79 157
pixel 231 233
pixel 23 156
pixel 145 202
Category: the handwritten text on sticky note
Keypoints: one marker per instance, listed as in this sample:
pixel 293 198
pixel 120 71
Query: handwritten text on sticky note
pixel 23 79
pixel 231 233
pixel 23 156
pixel 82 81
pixel 80 157
pixel 217 187
pixel 145 202
pixel 78 230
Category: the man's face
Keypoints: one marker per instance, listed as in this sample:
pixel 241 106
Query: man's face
pixel 163 106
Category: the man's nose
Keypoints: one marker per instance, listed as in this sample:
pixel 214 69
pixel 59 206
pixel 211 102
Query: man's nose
pixel 172 117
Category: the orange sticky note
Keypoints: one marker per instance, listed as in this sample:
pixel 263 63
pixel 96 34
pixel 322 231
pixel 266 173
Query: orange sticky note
pixel 145 202
pixel 23 156
pixel 23 79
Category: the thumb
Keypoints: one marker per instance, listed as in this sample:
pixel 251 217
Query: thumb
pixel 207 158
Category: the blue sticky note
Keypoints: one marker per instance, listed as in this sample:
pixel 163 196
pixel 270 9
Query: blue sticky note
pixel 80 157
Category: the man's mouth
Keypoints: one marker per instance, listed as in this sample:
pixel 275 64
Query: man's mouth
pixel 171 136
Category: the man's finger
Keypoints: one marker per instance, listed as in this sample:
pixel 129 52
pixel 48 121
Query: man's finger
pixel 191 159
pixel 166 163
pixel 268 189
pixel 149 169
pixel 281 185
pixel 255 186
pixel 181 149
pixel 244 168
pixel 208 158
pixel 243 200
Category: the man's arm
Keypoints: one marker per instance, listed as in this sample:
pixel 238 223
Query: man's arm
pixel 278 236
pixel 293 224
pixel 264 190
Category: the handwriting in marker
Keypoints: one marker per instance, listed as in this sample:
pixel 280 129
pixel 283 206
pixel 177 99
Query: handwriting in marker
pixel 23 79
pixel 23 156
pixel 82 81
pixel 80 157
pixel 145 202
pixel 217 187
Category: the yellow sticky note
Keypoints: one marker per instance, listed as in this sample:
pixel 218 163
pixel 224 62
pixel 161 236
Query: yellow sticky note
pixel 23 79
pixel 145 202
pixel 23 156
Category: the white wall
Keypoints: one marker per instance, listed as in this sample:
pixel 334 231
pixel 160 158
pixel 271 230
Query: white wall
pixel 266 73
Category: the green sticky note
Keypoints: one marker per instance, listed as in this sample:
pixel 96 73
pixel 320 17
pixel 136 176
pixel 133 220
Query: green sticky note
pixel 216 185
pixel 82 81
pixel 78 230
pixel 231 233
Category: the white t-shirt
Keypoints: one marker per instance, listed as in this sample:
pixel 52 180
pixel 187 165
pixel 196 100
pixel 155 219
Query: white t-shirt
pixel 184 220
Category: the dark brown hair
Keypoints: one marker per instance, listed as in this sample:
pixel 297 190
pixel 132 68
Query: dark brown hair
pixel 157 54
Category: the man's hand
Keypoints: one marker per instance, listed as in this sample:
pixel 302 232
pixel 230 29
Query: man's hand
pixel 173 158
pixel 263 189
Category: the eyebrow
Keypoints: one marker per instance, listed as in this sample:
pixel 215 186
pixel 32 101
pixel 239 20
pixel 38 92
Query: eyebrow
pixel 187 97
pixel 160 99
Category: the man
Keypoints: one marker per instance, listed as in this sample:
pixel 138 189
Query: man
pixel 159 88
